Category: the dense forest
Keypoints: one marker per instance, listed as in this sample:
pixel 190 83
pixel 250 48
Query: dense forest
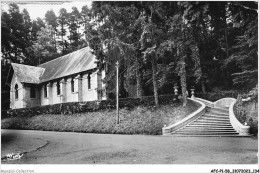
pixel 211 46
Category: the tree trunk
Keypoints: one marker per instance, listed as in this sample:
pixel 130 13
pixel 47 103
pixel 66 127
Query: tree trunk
pixel 54 37
pixel 203 85
pixel 200 70
pixel 62 41
pixel 226 39
pixel 123 93
pixel 86 31
pixel 183 83
pixel 154 69
pixel 182 74
pixel 139 79
pixel 55 42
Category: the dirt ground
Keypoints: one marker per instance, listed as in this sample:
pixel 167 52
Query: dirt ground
pixel 45 147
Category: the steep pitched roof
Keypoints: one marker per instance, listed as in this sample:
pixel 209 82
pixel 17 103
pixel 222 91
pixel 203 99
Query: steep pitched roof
pixel 28 74
pixel 75 62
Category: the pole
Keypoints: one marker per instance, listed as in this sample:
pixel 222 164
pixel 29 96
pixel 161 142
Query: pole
pixel 117 92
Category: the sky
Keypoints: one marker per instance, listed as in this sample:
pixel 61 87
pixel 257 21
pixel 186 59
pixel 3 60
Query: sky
pixel 39 8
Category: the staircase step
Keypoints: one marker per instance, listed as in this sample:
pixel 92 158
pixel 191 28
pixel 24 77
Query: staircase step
pixel 212 121
pixel 212 118
pixel 210 124
pixel 205 133
pixel 208 128
pixel 220 135
pixel 217 111
pixel 224 109
pixel 207 124
pixel 215 115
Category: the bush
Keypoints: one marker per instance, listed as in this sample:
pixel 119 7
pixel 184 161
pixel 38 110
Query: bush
pixel 90 106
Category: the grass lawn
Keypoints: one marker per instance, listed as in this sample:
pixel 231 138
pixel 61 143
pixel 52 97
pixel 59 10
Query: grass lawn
pixel 140 120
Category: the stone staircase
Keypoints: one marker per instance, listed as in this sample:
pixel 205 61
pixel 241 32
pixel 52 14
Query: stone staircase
pixel 215 122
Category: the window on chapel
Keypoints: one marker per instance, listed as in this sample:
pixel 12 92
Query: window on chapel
pixel 72 85
pixel 58 88
pixel 16 91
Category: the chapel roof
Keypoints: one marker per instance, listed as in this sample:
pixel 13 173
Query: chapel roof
pixel 73 63
pixel 28 74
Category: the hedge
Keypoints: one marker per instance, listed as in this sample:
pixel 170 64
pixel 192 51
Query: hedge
pixel 90 106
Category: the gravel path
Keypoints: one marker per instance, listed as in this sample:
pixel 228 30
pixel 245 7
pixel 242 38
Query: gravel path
pixel 80 148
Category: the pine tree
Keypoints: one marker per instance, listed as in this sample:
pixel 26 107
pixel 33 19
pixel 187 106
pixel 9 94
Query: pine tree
pixel 44 48
pixel 85 19
pixel 62 21
pixel 74 25
pixel 17 40
pixel 27 27
pixel 36 26
pixel 51 19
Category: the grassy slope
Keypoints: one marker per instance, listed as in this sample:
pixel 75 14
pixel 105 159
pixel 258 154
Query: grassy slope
pixel 140 120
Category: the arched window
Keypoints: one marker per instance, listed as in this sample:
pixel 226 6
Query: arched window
pixel 89 81
pixel 72 84
pixel 45 91
pixel 16 91
pixel 58 88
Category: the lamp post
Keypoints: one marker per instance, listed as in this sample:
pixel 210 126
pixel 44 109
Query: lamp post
pixel 175 92
pixel 117 92
pixel 192 92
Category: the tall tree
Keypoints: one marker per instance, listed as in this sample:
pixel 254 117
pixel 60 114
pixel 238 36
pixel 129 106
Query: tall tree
pixel 36 26
pixel 27 27
pixel 195 15
pixel 62 21
pixel 15 38
pixel 44 48
pixel 150 41
pixel 244 51
pixel 51 19
pixel 73 24
pixel 115 23
pixel 85 19
pixel 6 36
